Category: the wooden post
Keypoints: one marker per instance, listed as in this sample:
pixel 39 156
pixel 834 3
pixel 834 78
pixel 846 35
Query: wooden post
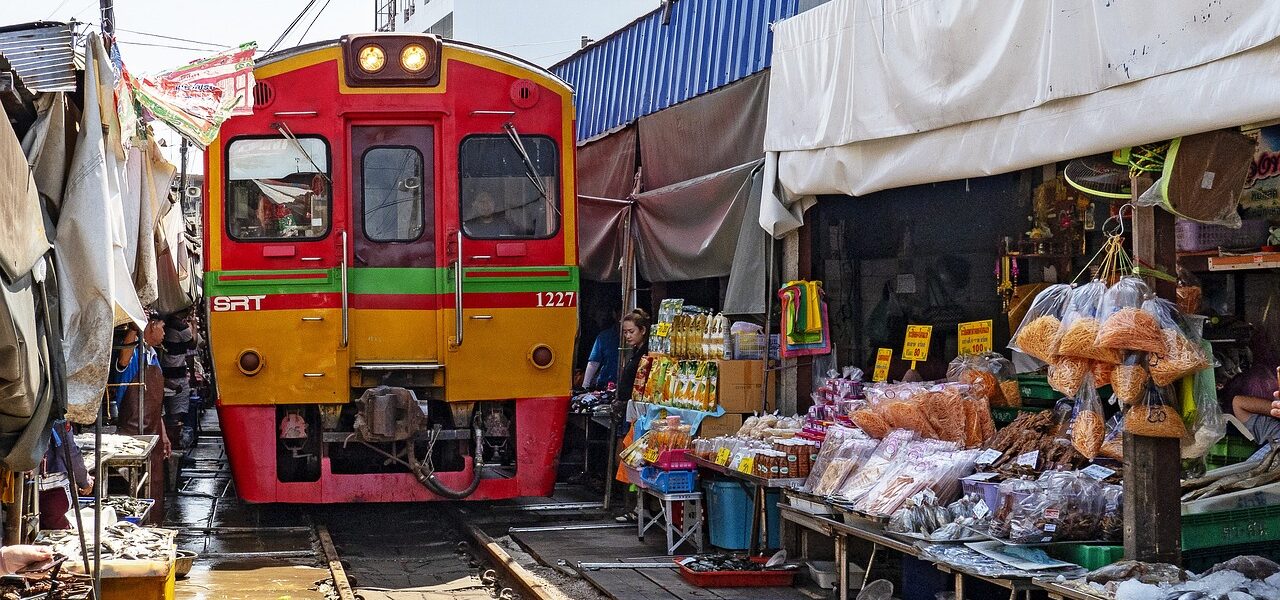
pixel 1152 466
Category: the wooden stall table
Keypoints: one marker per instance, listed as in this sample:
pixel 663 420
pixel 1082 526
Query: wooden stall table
pixel 1016 587
pixel 1057 591
pixel 135 469
pixel 759 491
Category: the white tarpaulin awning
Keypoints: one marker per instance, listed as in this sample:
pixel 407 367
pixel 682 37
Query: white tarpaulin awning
pixel 869 95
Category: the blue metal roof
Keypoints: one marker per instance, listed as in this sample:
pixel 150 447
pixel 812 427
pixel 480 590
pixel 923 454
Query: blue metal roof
pixel 648 66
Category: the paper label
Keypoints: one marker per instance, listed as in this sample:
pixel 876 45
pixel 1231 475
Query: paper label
pixel 1051 513
pixel 916 345
pixel 722 457
pixel 1098 472
pixel 981 510
pixel 975 337
pixel 1029 459
pixel 651 455
pixel 746 465
pixel 982 476
pixel 662 329
pixel 1050 527
pixel 884 356
pixel 989 456
pixel 1206 180
pixel 925 496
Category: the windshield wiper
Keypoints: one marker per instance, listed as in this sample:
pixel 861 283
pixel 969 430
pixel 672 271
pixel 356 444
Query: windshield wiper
pixel 513 136
pixel 288 134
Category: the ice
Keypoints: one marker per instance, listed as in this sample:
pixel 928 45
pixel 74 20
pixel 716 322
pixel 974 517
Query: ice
pixel 1134 590
pixel 1264 591
pixel 1216 584
pixel 1240 596
pixel 1274 581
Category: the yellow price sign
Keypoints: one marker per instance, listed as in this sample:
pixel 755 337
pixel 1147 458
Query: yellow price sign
pixel 746 465
pixel 651 455
pixel 723 456
pixel 883 357
pixel 663 329
pixel 916 345
pixel 975 337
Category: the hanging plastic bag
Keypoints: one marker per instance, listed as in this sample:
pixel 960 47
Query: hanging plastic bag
pixel 1129 378
pixel 1102 373
pixel 1113 444
pixel 1125 326
pixel 1067 373
pixel 1088 427
pixel 1039 328
pixel 1080 325
pixel 1181 356
pixel 1189 291
pixel 989 375
pixel 1201 413
pixel 1155 416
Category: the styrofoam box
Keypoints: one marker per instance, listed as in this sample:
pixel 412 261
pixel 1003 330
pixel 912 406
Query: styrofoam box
pixel 1267 495
pixel 824 574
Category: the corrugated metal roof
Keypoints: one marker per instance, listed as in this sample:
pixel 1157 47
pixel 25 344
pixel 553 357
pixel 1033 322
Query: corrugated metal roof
pixel 648 66
pixel 42 54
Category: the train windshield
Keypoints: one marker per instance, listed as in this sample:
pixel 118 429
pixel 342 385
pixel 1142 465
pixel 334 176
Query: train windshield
pixel 277 188
pixel 499 198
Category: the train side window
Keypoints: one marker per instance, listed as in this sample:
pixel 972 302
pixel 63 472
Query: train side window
pixel 278 188
pixel 391 178
pixel 499 199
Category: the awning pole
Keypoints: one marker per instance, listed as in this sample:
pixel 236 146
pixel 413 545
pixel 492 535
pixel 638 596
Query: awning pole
pixel 768 321
pixel 627 275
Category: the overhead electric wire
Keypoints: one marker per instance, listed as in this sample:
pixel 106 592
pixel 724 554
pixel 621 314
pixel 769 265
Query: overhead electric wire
pixel 169 37
pixel 313 21
pixel 170 46
pixel 54 11
pixel 291 26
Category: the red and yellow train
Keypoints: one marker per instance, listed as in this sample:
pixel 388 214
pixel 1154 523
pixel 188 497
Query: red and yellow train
pixel 391 277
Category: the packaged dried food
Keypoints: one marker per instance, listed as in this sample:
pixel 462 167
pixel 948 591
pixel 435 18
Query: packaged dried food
pixel 1088 428
pixel 1102 373
pixel 1181 358
pixel 1010 393
pixel 1080 325
pixel 1155 416
pixel 945 412
pixel 1129 378
pixel 989 375
pixel 876 465
pixel 907 415
pixel 1112 529
pixel 868 421
pixel 1066 374
pixel 1132 329
pixel 839 443
pixel 1039 327
pixel 1009 494
pixel 1113 444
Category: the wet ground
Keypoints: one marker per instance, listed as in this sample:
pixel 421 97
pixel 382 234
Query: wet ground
pixel 389 551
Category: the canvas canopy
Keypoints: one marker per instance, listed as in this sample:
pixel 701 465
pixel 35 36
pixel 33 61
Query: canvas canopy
pixel 871 95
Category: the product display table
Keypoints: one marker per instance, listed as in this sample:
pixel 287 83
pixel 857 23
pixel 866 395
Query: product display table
pixel 759 487
pixel 135 468
pixel 1058 591
pixel 690 528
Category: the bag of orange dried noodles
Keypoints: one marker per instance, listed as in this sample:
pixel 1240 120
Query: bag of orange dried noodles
pixel 1039 327
pixel 1080 325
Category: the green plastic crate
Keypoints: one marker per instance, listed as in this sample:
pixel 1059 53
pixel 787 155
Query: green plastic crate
pixel 1231 527
pixel 1035 390
pixel 1229 451
pixel 1004 415
pixel 1088 556
pixel 1199 561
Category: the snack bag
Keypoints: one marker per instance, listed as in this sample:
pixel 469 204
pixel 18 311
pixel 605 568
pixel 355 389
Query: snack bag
pixel 1201 412
pixel 1181 356
pixel 1039 328
pixel 1088 427
pixel 1129 378
pixel 1155 416
pixel 1080 325
pixel 1113 444
pixel 1067 374
pixel 1125 326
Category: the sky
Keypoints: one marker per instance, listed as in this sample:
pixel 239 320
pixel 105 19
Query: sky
pixel 156 35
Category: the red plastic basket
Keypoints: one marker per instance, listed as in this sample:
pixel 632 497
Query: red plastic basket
pixel 719 579
pixel 676 460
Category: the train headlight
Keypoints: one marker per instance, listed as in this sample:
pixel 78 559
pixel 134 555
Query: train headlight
pixel 542 357
pixel 414 58
pixel 372 58
pixel 249 362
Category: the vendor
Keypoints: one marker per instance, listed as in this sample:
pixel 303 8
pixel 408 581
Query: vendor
pixel 602 363
pixel 1249 403
pixel 635 332
pixel 57 478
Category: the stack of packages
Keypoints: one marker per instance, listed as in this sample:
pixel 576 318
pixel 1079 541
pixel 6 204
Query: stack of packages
pixel 804 319
pixel 989 375
pixel 949 412
pixel 1122 335
pixel 767 446
pixel 1060 506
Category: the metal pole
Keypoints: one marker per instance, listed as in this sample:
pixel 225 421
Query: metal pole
pixel 97 502
pixel 69 438
pixel 768 319
pixel 182 180
pixel 627 274
pixel 107 14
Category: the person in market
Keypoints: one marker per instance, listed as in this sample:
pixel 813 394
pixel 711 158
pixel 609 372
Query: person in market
pixel 58 479
pixel 635 332
pixel 141 408
pixel 602 363
pixel 175 359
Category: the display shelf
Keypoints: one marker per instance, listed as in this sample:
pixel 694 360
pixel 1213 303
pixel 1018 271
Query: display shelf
pixel 749 478
pixel 1245 262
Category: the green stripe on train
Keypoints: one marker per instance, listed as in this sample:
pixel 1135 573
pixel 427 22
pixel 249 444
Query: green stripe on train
pixel 379 280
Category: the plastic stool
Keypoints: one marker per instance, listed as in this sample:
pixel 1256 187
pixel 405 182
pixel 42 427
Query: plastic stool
pixel 690 529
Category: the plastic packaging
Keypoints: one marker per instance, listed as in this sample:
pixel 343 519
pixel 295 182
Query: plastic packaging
pixel 1129 378
pixel 1202 415
pixel 1155 416
pixel 1039 328
pixel 1067 374
pixel 989 375
pixel 1121 302
pixel 1088 427
pixel 1080 325
pixel 1113 444
pixel 1182 355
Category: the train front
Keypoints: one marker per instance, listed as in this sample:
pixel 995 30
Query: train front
pixel 391 273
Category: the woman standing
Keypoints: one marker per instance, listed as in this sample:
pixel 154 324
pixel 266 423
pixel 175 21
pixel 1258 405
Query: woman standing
pixel 635 332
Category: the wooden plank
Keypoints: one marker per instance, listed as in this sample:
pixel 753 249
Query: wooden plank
pixel 626 584
pixel 671 581
pixel 1152 513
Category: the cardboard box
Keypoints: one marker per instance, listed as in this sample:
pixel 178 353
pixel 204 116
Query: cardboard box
pixel 726 424
pixel 741 385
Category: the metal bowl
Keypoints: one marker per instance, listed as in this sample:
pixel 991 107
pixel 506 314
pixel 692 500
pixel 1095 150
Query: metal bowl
pixel 183 561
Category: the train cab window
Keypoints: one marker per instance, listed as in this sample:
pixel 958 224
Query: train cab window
pixel 278 188
pixel 499 196
pixel 393 194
